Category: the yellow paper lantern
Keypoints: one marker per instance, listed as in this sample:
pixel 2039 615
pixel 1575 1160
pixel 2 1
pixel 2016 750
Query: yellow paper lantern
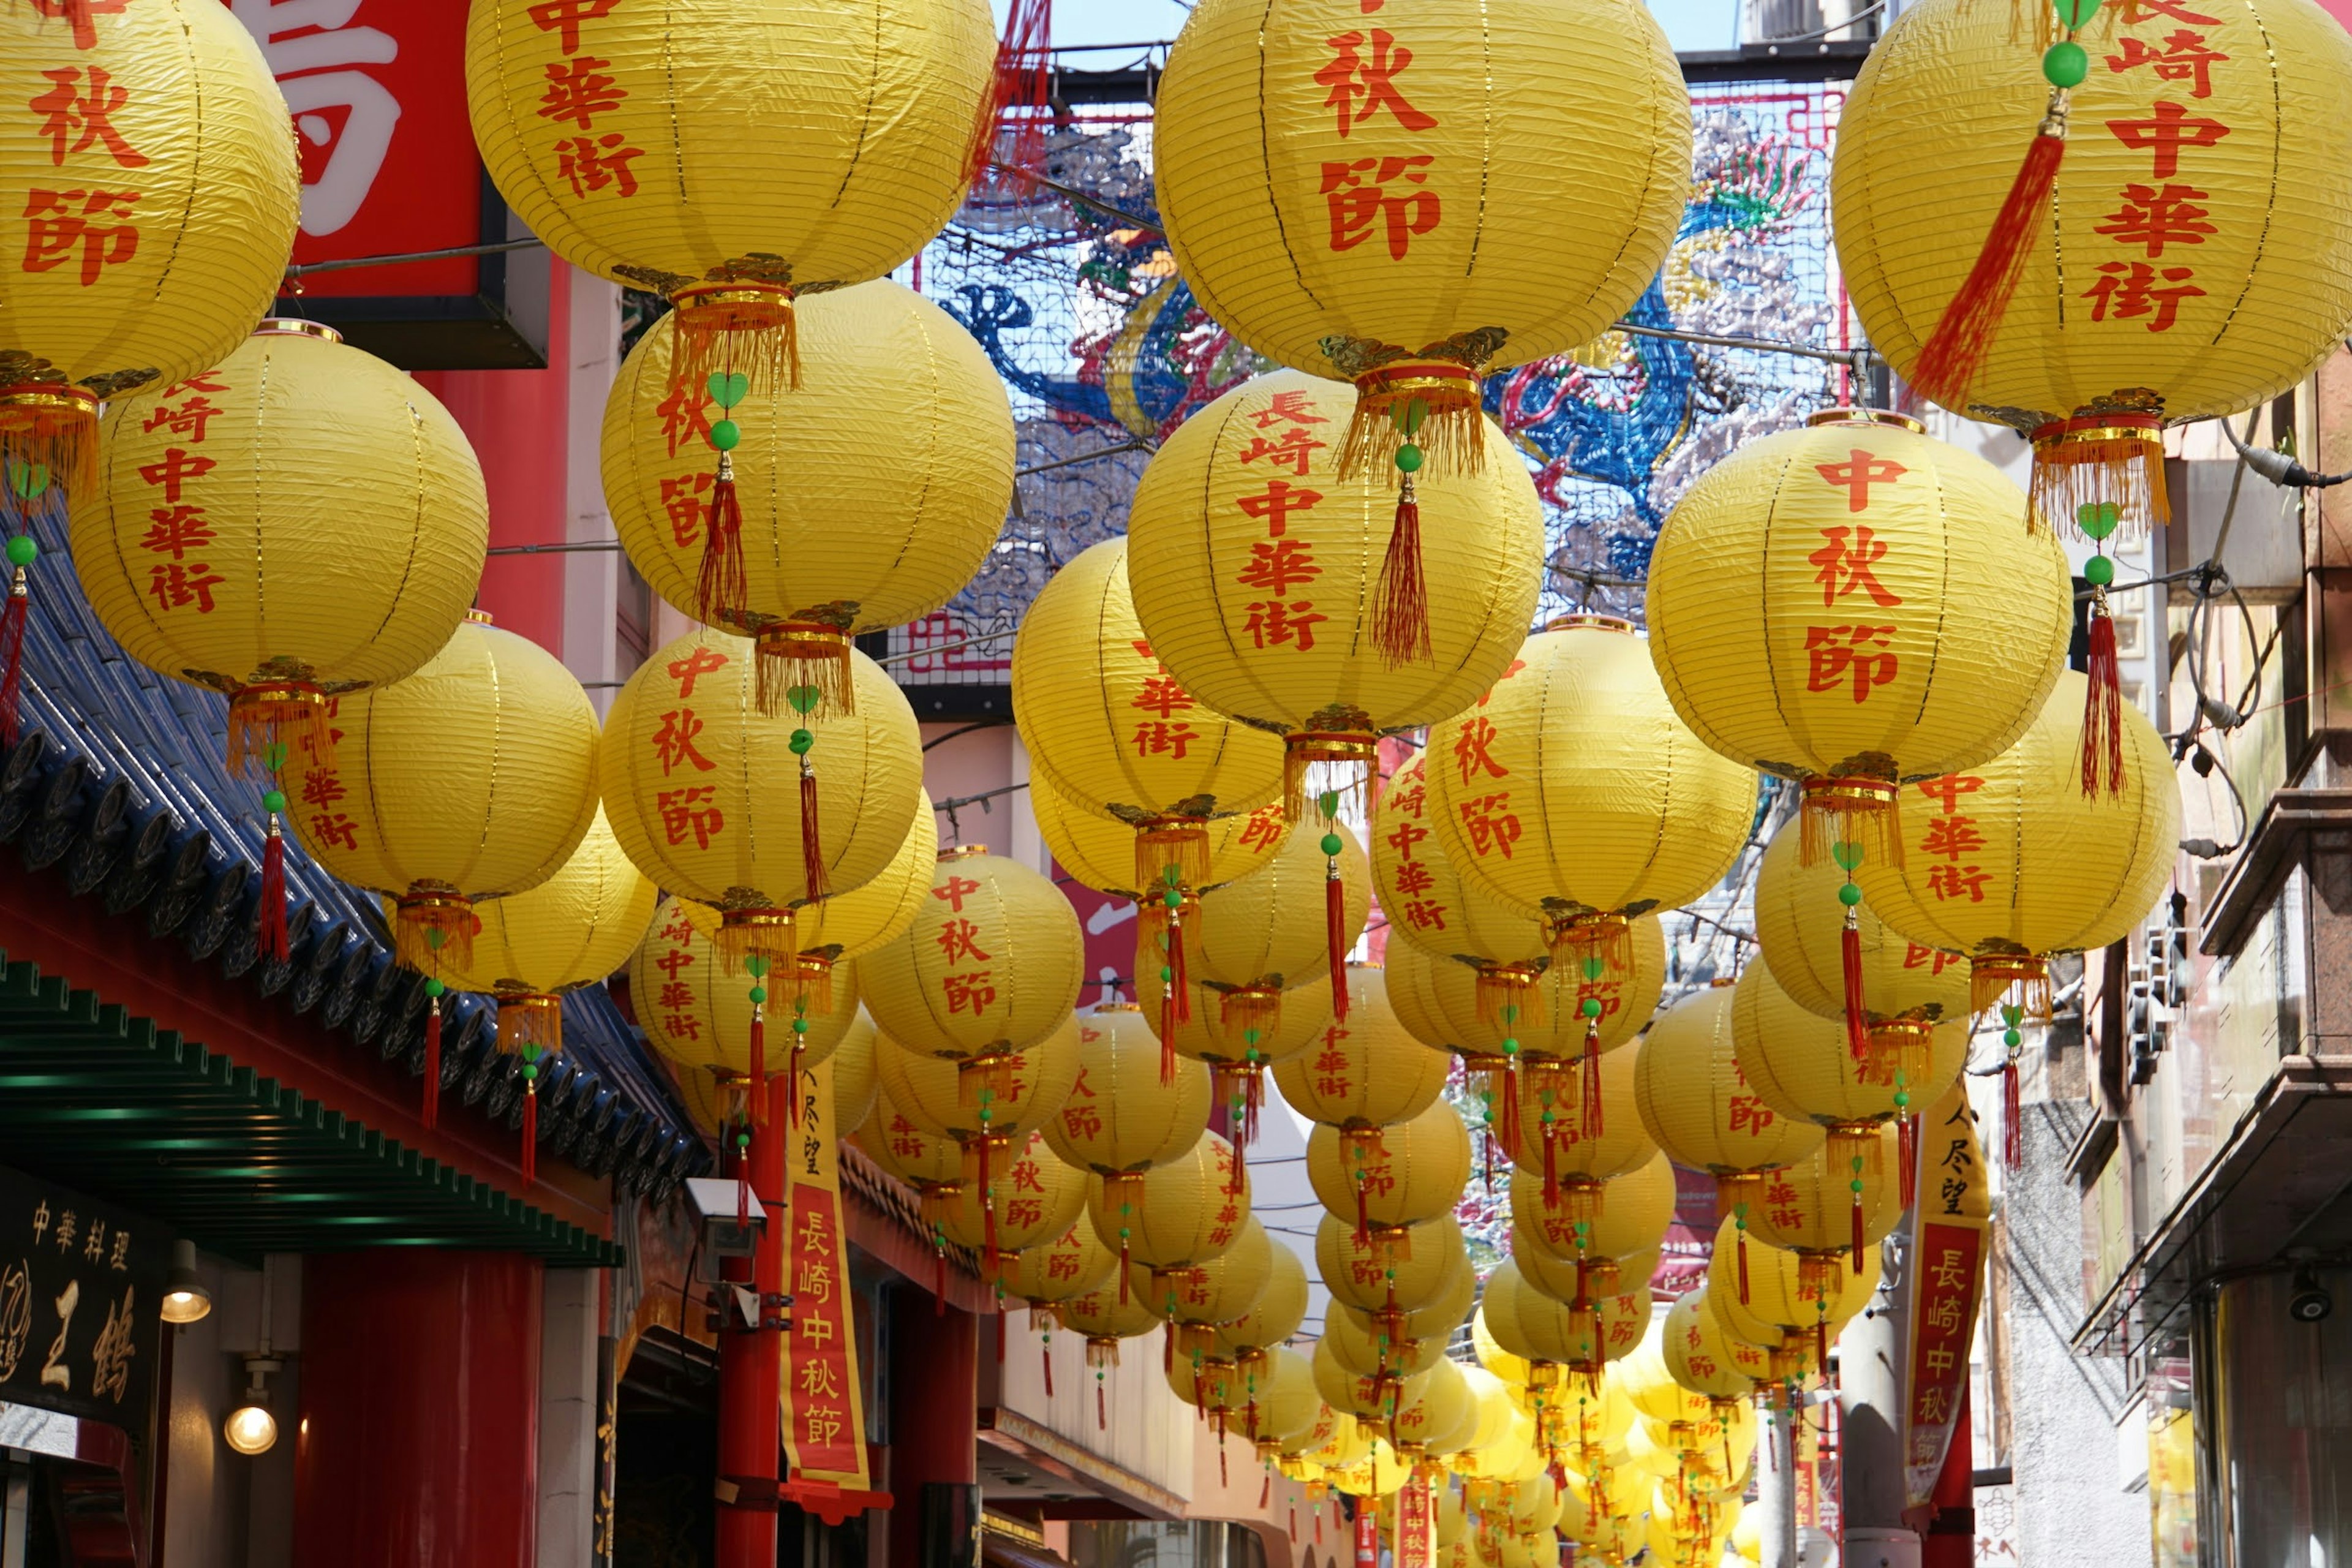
pixel 1527 1507
pixel 1435 1420
pixel 1207 1036
pixel 1573 791
pixel 618 136
pixel 1374 1276
pixel 1367 1352
pixel 299 522
pixel 1276 1314
pixel 1254 563
pixel 1121 1117
pixel 1022 1094
pixel 930 1162
pixel 1365 1073
pixel 1199 1298
pixel 1073 1264
pixel 1902 987
pixel 1583 1336
pixel 856 1084
pixel 1027 1199
pixel 1335 1442
pixel 992 964
pixel 1832 1209
pixel 1580 1129
pixel 1280 1403
pixel 1703 1359
pixel 847 925
pixel 1100 851
pixel 1853 605
pixel 1782 1302
pixel 1105 1316
pixel 863 500
pixel 160 194
pixel 1183 1213
pixel 2010 861
pixel 1633 1218
pixel 708 797
pixel 1432 1317
pixel 1433 908
pixel 1373 1398
pixel 1649 1382
pixel 1384 205
pixel 699 1020
pixel 2156 295
pixel 1388 1178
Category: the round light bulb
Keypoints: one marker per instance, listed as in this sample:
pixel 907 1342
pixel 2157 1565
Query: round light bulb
pixel 251 1429
pixel 186 1306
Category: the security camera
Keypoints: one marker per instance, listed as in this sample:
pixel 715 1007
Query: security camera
pixel 2310 1303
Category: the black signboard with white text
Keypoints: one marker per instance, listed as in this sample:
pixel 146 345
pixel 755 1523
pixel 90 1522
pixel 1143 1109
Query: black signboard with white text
pixel 80 1288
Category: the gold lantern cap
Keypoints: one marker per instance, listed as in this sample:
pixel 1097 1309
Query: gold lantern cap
pixel 294 327
pixel 962 852
pixel 1865 416
pixel 1588 619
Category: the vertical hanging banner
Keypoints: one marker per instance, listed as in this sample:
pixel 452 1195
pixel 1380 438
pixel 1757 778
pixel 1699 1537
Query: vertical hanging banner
pixel 824 1417
pixel 1368 1533
pixel 1948 1251
pixel 1416 1538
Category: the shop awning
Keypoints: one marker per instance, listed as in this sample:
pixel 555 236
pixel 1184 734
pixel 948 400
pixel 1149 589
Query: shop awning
pixel 105 1102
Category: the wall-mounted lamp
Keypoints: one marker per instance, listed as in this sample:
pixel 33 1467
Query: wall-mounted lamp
pixel 251 1428
pixel 185 1299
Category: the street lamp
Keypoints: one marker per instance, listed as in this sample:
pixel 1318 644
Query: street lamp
pixel 251 1428
pixel 185 1299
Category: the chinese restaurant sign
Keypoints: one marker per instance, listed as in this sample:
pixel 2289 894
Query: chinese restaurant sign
pixel 1948 1250
pixel 81 1284
pixel 824 1418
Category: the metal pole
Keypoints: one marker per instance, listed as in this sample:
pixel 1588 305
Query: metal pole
pixel 1776 1483
pixel 751 1364
pixel 1870 1407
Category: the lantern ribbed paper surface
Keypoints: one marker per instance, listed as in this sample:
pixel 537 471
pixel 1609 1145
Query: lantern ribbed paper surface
pixel 1251 940
pixel 1100 851
pixel 1572 790
pixel 1807 1207
pixel 1107 1313
pixel 2009 861
pixel 1221 1290
pixel 302 516
pixel 1365 1274
pixel 1701 1357
pixel 1368 1396
pixel 1281 1404
pixel 1253 571
pixel 1797 1061
pixel 867 497
pixel 855 1082
pixel 1036 1198
pixel 1211 1035
pixel 1180 1213
pixel 153 192
pixel 1391 1176
pixel 1435 1318
pixel 1024 1092
pixel 707 794
pixel 1120 1114
pixel 619 133
pixel 1072 1264
pixel 1427 901
pixel 1366 1072
pixel 1338 183
pixel 1799 923
pixel 930 1162
pixel 1442 1407
pixel 1554 1134
pixel 992 963
pixel 1276 1314
pixel 2199 135
pixel 1855 601
pixel 1780 1298
pixel 700 1016
pixel 1639 1207
pixel 1698 1104
pixel 1439 1000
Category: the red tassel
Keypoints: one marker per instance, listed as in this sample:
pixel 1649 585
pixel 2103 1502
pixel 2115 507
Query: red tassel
pixel 1181 984
pixel 1122 1273
pixel 1222 1478
pixel 742 1186
pixel 812 851
pixel 792 1089
pixel 1334 936
pixel 1168 1035
pixel 1102 1421
pixel 1552 1166
pixel 1949 360
pixel 1508 1120
pixel 1906 1146
pixel 529 1135
pixel 723 588
pixel 1857 1027
pixel 1741 1232
pixel 1045 1352
pixel 1294 1524
pixel 987 1210
pixel 272 942
pixel 432 1064
pixel 1000 1336
pixel 759 1063
pixel 12 620
pixel 2102 706
pixel 1592 1079
pixel 2012 1118
pixel 939 1281
pixel 1240 1181
pixel 1858 1232
pixel 1363 1215
pixel 1401 603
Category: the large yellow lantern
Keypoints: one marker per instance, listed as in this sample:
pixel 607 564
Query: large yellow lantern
pixel 1279 1404
pixel 1786 1302
pixel 572 930
pixel 1377 197
pixel 1701 1357
pixel 1443 1410
pixel 1372 1398
pixel 1252 566
pixel 2137 283
pixel 1274 1316
pixel 1367 1350
pixel 1434 1319
pixel 1100 851
pixel 1183 1213
pixel 863 502
pixel 1025 1201
pixel 847 926
pixel 2009 861
pixel 1435 909
pixel 1581 1136
pixel 1639 1207
pixel 1122 1116
pixel 1023 1096
pixel 1853 605
pixel 1198 1299
pixel 618 135
pixel 992 964
pixel 1366 1073
pixel 856 1085
pixel 1238 1049
pixel 153 198
pixel 1902 987
pixel 930 1162
pixel 1373 1274
pixel 299 522
pixel 1073 1264
pixel 1832 1209
pixel 1390 1178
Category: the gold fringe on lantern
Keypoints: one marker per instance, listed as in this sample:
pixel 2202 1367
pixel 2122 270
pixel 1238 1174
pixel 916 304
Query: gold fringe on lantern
pixel 51 428
pixel 1897 1046
pixel 1450 430
pixel 811 982
pixel 1820 1276
pixel 1172 842
pixel 1853 1142
pixel 1554 1083
pixel 797 654
pixel 1102 1354
pixel 288 714
pixel 1991 976
pixel 529 1018
pixel 1246 1007
pixel 1854 809
pixel 755 933
pixel 1594 934
pixel 743 327
pixel 1315 762
pixel 987 1079
pixel 1581 1197
pixel 1193 1341
pixel 1391 1246
pixel 1508 996
pixel 433 927
pixel 2102 454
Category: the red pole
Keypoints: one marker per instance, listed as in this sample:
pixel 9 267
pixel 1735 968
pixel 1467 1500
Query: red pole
pixel 751 1370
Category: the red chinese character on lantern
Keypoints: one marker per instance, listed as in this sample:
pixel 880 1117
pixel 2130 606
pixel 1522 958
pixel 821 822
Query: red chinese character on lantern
pixel 960 939
pixel 332 827
pixel 1277 566
pixel 55 229
pixel 178 466
pixel 697 663
pixel 2135 12
pixel 2185 56
pixel 589 164
pixel 676 993
pixel 2128 291
pixel 1161 695
pixel 1423 914
pixel 2168 129
pixel 1491 826
pixel 188 419
pixel 1855 476
pixel 694 811
pixel 1290 408
pixel 1274 504
pixel 1154 738
pixel 2154 216
pixel 681 498
pixel 682 1025
pixel 1958 882
pixel 674 961
pixel 955 891
pixel 323 786
pixel 564 16
pixel 177 587
pixel 1837 653
pixel 1750 1115
pixel 1843 566
pixel 78 13
pixel 1952 838
pixel 1293 451
pixel 1402 839
pixel 1472 750
pixel 1356 195
pixel 685 416
pixel 75 117
pixel 1407 800
pixel 578 91
pixel 175 531
pixel 1274 623
pixel 969 993
pixel 1361 88
pixel 1602 991
pixel 1948 789
pixel 1266 828
pixel 674 741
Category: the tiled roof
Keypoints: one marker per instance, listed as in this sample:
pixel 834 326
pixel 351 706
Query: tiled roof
pixel 118 782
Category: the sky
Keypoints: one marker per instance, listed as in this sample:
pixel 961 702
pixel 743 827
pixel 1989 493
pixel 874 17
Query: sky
pixel 1689 24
